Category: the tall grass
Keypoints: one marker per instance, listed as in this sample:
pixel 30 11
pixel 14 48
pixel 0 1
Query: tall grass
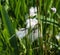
pixel 13 16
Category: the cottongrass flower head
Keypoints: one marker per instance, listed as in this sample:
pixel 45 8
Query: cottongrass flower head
pixel 33 11
pixel 21 33
pixel 31 22
pixel 53 9
pixel 58 37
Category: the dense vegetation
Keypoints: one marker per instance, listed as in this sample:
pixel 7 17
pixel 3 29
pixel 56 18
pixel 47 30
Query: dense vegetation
pixel 13 14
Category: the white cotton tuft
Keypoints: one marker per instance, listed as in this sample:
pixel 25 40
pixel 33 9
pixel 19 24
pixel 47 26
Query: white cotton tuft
pixel 34 35
pixel 33 11
pixel 21 33
pixel 31 23
pixel 53 9
pixel 58 37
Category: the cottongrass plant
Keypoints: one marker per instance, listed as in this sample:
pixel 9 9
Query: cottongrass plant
pixel 30 23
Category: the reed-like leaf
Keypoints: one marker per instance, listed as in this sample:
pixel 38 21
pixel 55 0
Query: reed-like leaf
pixel 8 25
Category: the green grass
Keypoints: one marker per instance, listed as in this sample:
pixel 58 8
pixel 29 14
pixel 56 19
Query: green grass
pixel 12 16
